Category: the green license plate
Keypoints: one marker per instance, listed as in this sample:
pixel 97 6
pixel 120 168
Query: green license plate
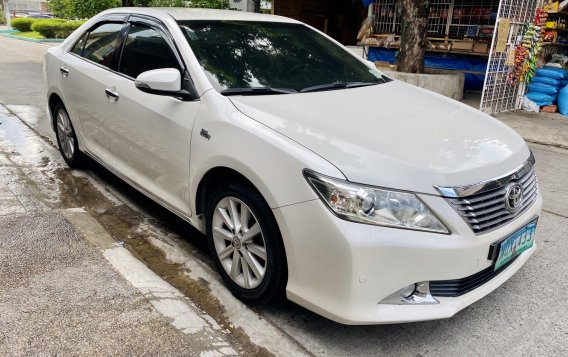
pixel 515 244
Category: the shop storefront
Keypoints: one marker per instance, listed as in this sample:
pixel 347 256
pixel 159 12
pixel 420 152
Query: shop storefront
pixel 494 43
pixel 476 37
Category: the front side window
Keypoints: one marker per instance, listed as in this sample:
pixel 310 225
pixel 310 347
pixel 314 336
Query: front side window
pixel 285 56
pixel 102 43
pixel 78 48
pixel 145 49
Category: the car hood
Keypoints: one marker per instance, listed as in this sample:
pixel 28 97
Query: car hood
pixel 393 135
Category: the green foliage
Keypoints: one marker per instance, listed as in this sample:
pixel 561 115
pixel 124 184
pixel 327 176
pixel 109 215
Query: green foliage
pixel 81 9
pixel 2 18
pixel 211 4
pixel 56 28
pixel 127 3
pixel 34 35
pixel 59 7
pixel 167 3
pixel 22 24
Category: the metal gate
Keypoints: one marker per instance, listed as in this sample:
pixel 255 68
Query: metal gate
pixel 498 94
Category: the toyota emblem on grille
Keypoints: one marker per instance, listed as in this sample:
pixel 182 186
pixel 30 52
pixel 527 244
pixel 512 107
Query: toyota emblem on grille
pixel 514 197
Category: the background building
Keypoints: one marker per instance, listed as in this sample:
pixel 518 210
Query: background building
pixel 27 6
pixel 341 19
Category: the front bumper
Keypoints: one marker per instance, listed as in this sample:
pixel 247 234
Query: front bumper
pixel 343 270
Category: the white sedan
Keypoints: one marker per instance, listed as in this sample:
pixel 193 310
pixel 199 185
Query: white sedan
pixel 313 175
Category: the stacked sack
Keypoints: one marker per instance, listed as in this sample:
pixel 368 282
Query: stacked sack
pixel 546 86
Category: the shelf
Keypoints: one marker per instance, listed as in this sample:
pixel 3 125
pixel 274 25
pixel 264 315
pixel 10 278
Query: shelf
pixel 460 53
pixel 431 50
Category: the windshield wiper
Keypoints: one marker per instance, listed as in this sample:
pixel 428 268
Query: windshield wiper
pixel 257 91
pixel 338 85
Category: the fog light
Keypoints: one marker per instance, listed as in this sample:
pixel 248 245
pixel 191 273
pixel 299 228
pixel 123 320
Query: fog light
pixel 407 291
pixel 413 294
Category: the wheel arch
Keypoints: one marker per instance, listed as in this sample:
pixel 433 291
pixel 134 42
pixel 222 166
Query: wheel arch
pixel 214 177
pixel 53 100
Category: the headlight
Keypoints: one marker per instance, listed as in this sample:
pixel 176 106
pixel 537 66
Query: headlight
pixel 372 205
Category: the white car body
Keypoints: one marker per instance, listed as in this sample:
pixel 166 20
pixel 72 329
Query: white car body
pixel 340 269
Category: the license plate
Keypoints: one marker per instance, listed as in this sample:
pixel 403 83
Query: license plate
pixel 515 244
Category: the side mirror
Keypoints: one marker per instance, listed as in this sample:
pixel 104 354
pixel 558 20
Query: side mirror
pixel 166 81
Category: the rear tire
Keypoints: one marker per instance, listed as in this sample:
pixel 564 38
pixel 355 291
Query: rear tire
pixel 245 243
pixel 66 137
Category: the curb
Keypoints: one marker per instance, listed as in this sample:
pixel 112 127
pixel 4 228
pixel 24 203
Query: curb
pixel 45 40
pixel 546 143
pixel 198 329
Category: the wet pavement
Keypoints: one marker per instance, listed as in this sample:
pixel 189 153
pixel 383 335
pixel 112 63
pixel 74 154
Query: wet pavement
pixel 59 297
pixel 526 316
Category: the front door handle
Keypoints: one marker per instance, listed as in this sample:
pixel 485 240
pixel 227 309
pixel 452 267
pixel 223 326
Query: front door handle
pixel 112 95
pixel 64 71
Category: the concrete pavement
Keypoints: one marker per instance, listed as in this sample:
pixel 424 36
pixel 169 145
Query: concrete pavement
pixel 539 128
pixel 59 296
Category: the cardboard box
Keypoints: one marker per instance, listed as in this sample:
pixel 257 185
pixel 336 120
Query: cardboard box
pixel 481 47
pixel 462 46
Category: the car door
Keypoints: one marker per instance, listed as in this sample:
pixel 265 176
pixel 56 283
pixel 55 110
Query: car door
pixel 150 134
pixel 84 73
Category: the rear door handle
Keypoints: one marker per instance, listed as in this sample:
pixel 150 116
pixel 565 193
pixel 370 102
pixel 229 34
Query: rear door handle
pixel 112 95
pixel 64 71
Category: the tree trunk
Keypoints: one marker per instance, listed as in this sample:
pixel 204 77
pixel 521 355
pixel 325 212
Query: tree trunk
pixel 414 15
pixel 256 5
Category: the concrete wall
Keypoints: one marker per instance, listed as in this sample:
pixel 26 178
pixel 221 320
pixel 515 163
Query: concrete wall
pixel 448 83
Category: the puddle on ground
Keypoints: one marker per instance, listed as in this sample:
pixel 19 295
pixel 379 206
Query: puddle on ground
pixel 34 118
pixel 27 165
pixel 21 142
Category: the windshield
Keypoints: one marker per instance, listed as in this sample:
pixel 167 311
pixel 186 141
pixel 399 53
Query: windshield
pixel 278 58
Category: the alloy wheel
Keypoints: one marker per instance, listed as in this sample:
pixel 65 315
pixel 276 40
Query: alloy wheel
pixel 65 134
pixel 239 242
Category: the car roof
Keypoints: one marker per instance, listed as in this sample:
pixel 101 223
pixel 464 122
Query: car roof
pixel 181 13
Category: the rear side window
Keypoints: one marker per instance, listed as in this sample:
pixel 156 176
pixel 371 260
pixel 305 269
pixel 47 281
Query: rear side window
pixel 101 43
pixel 145 49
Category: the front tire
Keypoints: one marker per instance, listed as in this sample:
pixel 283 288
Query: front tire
pixel 245 242
pixel 66 137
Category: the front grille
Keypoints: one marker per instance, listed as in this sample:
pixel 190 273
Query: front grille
pixel 458 287
pixel 487 211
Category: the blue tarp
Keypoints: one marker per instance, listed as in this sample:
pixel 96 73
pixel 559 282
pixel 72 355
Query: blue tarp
pixel 367 2
pixel 472 81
